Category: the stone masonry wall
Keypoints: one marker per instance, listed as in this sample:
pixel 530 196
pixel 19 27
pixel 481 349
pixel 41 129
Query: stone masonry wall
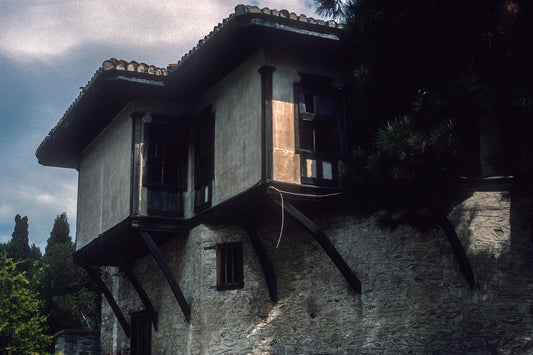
pixel 77 342
pixel 414 297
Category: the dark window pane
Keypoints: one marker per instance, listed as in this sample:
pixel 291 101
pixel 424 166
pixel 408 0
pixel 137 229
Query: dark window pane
pixel 306 135
pixel 170 172
pixel 166 160
pixel 155 168
pixel 310 103
pixel 323 137
pixel 165 170
pixel 152 145
pixel 307 102
pixel 326 105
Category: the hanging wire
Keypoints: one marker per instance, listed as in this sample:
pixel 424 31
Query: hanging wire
pixel 281 192
pixel 305 195
pixel 282 216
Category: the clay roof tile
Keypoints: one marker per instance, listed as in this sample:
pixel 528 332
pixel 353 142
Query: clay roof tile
pixel 245 9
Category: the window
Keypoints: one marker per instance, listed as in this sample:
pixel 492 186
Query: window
pixel 165 173
pixel 204 160
pixel 317 130
pixel 229 266
pixel 141 334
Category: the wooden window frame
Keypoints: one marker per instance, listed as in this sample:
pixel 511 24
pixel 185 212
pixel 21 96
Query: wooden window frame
pixel 230 268
pixel 313 121
pixel 170 193
pixel 204 161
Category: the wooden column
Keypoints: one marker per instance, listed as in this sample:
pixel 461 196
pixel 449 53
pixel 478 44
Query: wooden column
pixel 266 121
pixel 136 138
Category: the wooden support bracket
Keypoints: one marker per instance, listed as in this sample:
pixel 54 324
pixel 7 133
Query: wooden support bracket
pixel 158 256
pixel 110 299
pixel 264 260
pixel 140 291
pixel 325 243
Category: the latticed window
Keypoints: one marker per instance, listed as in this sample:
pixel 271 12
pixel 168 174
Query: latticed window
pixel 229 266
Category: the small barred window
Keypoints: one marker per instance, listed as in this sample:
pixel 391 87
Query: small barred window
pixel 229 266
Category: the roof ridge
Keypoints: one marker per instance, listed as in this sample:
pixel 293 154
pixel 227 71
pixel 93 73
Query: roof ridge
pixel 242 9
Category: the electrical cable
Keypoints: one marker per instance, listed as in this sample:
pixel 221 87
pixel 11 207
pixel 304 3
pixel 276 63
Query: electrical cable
pixel 305 195
pixel 281 192
pixel 282 216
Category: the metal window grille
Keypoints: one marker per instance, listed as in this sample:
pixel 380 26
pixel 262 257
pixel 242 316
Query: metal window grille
pixel 229 266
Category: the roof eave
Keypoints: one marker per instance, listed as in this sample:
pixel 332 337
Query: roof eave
pixel 91 112
pixel 238 38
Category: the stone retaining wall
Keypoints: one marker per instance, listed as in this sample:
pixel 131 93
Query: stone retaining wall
pixel 414 297
pixel 77 342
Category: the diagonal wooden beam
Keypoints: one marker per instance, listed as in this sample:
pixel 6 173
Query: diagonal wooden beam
pixel 110 299
pixel 158 256
pixel 325 243
pixel 140 291
pixel 264 260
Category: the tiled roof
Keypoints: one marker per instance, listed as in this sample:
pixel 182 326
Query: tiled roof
pixel 110 64
pixel 132 66
pixel 159 73
pixel 247 9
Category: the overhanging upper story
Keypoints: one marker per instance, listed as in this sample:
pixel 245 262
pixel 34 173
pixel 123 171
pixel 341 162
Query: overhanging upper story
pixel 258 101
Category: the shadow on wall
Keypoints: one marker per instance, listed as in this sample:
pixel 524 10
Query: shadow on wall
pixel 414 295
pixel 496 230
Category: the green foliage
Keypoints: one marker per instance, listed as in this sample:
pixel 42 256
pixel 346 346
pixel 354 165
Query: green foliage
pixel 19 247
pixel 21 324
pixel 474 57
pixel 60 232
pixel 59 296
pixel 332 8
pixel 69 298
pixel 3 248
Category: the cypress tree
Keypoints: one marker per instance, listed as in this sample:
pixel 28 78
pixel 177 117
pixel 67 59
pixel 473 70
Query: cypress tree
pixel 60 232
pixel 19 248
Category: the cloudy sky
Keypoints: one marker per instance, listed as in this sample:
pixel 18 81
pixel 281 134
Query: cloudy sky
pixel 48 49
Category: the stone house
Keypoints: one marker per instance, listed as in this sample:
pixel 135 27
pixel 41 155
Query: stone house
pixel 187 177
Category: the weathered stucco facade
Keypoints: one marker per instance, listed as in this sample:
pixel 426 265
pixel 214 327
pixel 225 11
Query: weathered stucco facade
pixel 183 176
pixel 104 181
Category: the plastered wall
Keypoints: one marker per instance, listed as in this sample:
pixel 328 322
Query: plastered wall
pixel 104 181
pixel 236 102
pixel 414 298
